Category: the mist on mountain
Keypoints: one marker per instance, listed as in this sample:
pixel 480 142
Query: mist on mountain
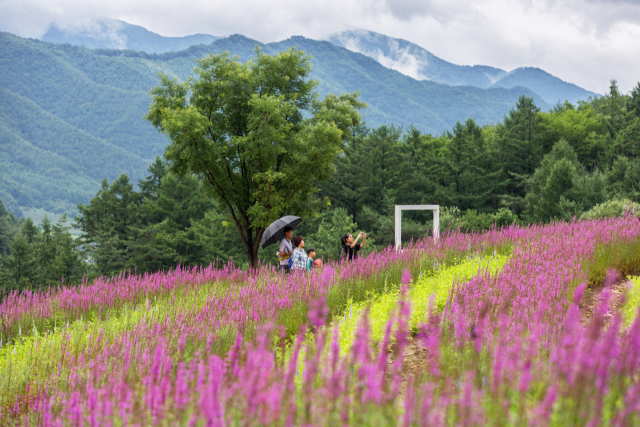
pixel 108 33
pixel 417 62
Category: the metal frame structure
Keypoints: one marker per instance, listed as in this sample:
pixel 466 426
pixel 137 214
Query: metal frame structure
pixel 436 219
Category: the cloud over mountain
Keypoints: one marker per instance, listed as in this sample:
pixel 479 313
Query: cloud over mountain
pixel 587 42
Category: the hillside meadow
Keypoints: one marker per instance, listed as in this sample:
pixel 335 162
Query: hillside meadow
pixel 514 326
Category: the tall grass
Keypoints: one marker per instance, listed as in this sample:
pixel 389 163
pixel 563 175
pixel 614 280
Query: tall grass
pixel 198 345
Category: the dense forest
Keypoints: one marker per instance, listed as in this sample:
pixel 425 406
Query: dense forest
pixel 572 161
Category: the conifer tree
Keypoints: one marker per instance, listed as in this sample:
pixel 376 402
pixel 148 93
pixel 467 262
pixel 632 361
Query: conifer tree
pixel 462 171
pixel 109 224
pixel 634 100
pixel 521 143
pixel 346 187
pixel 20 265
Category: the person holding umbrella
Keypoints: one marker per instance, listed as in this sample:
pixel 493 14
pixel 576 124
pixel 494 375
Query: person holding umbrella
pixel 281 231
pixel 285 249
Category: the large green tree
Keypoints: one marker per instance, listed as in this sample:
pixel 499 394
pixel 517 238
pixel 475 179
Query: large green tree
pixel 255 133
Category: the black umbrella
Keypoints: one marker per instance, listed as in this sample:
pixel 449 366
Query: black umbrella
pixel 275 232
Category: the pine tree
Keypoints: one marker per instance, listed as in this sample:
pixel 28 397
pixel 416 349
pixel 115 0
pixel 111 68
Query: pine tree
pixel 109 224
pixel 561 188
pixel 381 169
pixel 345 189
pixel 615 108
pixel 20 265
pixel 149 186
pixel 634 100
pixel 165 239
pixel 46 253
pixel 462 170
pixel 520 144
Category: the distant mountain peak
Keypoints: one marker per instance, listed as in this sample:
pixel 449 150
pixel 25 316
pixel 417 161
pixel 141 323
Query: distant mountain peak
pixel 109 33
pixel 414 61
pixel 103 32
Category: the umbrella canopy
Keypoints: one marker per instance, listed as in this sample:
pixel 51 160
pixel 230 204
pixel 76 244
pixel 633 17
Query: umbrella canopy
pixel 275 232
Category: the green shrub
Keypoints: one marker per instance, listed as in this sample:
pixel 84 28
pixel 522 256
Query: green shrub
pixel 612 208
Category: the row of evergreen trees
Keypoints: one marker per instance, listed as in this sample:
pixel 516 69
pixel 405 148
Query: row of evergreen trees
pixel 34 256
pixel 535 166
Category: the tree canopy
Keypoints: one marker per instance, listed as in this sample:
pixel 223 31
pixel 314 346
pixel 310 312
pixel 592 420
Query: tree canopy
pixel 255 133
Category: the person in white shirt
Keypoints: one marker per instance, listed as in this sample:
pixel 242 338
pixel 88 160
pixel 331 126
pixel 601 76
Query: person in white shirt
pixel 285 249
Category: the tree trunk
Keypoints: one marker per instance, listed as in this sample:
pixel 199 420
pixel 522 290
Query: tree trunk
pixel 253 247
pixel 252 255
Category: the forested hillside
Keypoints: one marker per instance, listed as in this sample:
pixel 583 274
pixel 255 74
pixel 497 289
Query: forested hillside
pixel 81 111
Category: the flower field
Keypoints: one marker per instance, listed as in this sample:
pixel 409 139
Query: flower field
pixel 520 326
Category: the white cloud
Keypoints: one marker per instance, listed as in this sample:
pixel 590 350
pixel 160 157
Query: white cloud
pixel 587 42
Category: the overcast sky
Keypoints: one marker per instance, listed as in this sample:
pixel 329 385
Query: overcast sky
pixel 586 42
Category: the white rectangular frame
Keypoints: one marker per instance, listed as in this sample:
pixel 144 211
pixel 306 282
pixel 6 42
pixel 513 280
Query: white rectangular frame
pixel 436 219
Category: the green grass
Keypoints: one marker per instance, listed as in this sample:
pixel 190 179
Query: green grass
pixel 430 289
pixel 632 303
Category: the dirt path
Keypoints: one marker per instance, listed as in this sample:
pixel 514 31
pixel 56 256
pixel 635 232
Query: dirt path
pixel 593 297
pixel 416 356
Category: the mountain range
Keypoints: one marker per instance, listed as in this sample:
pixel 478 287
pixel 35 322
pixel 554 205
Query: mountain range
pixel 419 63
pixel 72 113
pixel 397 54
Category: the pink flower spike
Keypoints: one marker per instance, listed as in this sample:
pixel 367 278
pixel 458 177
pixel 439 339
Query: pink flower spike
pixel 406 277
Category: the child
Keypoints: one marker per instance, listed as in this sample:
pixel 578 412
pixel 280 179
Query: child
pixel 311 253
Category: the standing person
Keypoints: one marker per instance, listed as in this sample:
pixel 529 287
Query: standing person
pixel 351 247
pixel 285 249
pixel 311 253
pixel 299 258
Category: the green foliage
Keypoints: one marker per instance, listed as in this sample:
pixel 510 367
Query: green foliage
pixel 561 188
pixel 171 221
pixel 331 225
pixel 521 142
pixel 241 128
pixel 612 208
pixel 108 224
pixel 8 229
pixel 582 129
pixel 42 256
pixel 464 172
pixel 472 220
pixel 624 178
